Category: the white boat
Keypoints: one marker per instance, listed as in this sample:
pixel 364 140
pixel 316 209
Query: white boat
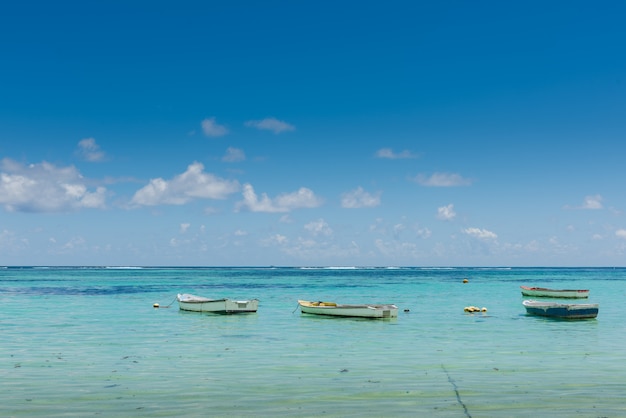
pixel 562 310
pixel 361 311
pixel 555 293
pixel 187 302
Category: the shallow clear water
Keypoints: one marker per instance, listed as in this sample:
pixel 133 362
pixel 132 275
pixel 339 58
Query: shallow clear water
pixel 86 342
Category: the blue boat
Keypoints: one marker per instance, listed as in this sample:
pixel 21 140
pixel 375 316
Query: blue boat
pixel 562 310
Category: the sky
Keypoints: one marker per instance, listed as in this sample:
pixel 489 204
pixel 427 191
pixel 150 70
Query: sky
pixel 313 133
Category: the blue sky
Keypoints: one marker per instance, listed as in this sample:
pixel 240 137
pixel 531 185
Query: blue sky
pixel 294 133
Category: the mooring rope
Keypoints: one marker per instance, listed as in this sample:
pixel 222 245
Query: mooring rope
pixel 156 305
pixel 297 306
pixel 456 390
pixel 172 302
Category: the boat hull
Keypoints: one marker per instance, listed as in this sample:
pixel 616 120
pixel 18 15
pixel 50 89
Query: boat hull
pixel 562 310
pixel 193 303
pixel 354 311
pixel 555 293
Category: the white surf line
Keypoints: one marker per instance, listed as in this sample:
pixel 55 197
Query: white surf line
pixel 456 390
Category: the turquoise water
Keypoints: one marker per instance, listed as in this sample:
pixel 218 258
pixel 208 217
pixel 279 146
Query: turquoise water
pixel 80 342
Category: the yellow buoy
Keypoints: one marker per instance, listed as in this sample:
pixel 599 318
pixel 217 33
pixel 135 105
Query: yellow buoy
pixel 156 305
pixel 465 280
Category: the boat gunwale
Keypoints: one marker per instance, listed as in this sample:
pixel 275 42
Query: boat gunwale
pixel 538 304
pixel 546 289
pixel 365 311
pixel 309 304
pixel 201 299
pixel 544 292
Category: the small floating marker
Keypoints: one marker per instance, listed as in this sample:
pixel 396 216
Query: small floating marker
pixel 156 305
pixel 472 309
pixel 406 310
pixel 465 280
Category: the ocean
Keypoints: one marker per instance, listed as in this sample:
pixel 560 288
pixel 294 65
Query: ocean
pixel 82 342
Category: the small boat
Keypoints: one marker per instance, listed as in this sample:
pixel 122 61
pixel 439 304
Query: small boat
pixel 561 310
pixel 360 311
pixel 187 302
pixel 555 293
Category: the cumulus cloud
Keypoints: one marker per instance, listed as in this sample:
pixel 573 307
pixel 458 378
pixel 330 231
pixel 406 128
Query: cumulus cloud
pixel 192 184
pixel 621 233
pixel 212 128
pixel 446 213
pixel 479 233
pixel 592 202
pixel 303 198
pixel 390 154
pixel 270 124
pixel 398 229
pixel 274 240
pixel 89 150
pixel 233 155
pixel 359 198
pixel 423 232
pixel 442 180
pixel 45 188
pixel 319 227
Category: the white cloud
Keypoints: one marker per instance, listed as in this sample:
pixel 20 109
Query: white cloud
pixel 184 227
pixel 211 128
pixel 73 243
pixel 479 233
pixel 303 198
pixel 319 227
pixel 276 239
pixel 234 155
pixel 89 150
pixel 359 198
pixel 45 188
pixel 592 202
pixel 95 200
pixel 423 233
pixel 442 180
pixel 192 184
pixel 446 213
pixel 398 229
pixel 270 124
pixel 388 153
pixel 621 233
